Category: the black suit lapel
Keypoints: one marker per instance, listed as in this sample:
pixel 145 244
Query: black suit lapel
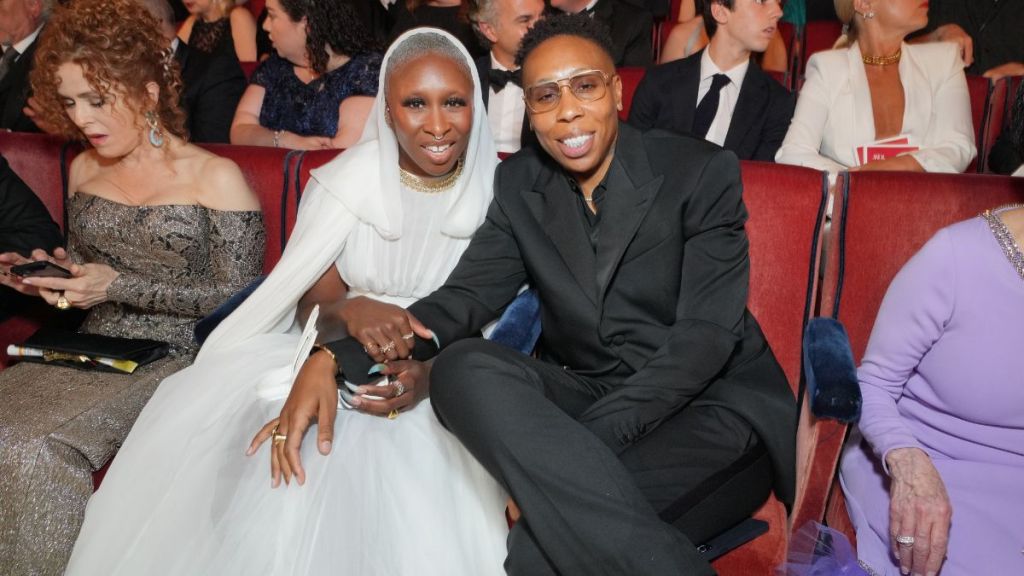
pixel 554 205
pixel 630 192
pixel 750 106
pixel 483 67
pixel 14 90
pixel 689 83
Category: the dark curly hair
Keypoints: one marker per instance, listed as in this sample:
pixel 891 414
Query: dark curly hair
pixel 578 25
pixel 120 48
pixel 333 23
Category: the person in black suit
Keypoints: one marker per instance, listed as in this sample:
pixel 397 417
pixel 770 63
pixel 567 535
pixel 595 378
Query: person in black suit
pixel 20 24
pixel 500 26
pixel 655 414
pixel 25 225
pixel 720 93
pixel 630 27
pixel 212 84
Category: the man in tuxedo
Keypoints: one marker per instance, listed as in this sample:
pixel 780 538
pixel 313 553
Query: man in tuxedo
pixel 719 93
pixel 211 86
pixel 20 24
pixel 654 415
pixel 500 25
pixel 630 27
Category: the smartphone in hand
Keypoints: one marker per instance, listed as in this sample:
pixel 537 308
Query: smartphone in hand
pixel 40 269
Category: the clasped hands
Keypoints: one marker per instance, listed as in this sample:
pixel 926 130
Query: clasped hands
pixel 86 288
pixel 314 395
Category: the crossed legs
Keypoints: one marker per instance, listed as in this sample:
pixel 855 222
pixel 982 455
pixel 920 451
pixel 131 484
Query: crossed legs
pixel 585 509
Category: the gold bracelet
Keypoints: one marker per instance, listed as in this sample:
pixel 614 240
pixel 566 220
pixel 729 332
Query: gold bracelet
pixel 318 347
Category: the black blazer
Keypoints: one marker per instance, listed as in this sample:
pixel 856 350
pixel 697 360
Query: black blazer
pixel 212 85
pixel 658 312
pixel 14 93
pixel 630 27
pixel 667 98
pixel 483 66
pixel 25 225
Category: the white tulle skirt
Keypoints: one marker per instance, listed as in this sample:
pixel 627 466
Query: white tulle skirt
pixel 392 498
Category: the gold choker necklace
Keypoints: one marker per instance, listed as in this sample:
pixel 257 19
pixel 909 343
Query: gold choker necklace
pixel 882 60
pixel 431 185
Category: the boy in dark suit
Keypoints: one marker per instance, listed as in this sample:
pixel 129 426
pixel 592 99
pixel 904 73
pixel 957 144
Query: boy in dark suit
pixel 654 415
pixel 719 93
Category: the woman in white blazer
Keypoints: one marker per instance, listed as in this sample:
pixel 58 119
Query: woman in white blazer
pixel 880 87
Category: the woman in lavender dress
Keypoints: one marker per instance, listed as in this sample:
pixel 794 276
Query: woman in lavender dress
pixel 935 485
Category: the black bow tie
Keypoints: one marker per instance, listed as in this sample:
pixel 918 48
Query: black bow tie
pixel 499 78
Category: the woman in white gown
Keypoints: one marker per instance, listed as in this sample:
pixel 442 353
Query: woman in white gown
pixel 392 497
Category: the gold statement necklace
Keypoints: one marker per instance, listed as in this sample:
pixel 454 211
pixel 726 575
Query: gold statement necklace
pixel 883 60
pixel 431 185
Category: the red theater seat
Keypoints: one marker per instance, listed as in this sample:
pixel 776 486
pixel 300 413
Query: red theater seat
pixel 889 217
pixel 785 203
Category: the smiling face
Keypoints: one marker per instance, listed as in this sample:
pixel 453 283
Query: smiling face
pixel 287 35
pixel 578 134
pixel 430 108
pixel 750 24
pixel 104 119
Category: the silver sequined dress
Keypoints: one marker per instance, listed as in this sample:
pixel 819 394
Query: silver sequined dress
pixel 177 263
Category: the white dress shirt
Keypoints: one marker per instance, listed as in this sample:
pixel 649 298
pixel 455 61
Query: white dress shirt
pixel 726 98
pixel 24 43
pixel 505 112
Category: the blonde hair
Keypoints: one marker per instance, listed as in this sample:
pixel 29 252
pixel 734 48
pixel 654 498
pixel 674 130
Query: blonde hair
pixel 846 13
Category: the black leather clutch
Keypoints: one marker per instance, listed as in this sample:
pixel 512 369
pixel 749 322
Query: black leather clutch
pixel 91 351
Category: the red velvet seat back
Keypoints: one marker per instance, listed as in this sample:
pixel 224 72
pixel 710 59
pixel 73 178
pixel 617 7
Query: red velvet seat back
pixel 265 169
pixel 784 204
pixel 631 77
pixel 889 217
pixel 36 159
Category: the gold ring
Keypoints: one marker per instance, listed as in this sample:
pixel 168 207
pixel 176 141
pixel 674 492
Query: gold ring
pixel 277 438
pixel 393 414
pixel 387 347
pixel 62 302
pixel 409 336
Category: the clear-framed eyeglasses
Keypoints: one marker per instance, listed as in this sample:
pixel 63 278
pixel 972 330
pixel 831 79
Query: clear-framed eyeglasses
pixel 586 86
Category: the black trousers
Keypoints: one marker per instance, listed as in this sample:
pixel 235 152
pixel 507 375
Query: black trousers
pixel 589 510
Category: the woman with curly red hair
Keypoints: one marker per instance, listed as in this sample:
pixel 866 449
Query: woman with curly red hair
pixel 160 233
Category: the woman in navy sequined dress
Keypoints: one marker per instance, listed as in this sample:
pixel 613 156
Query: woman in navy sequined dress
pixel 316 91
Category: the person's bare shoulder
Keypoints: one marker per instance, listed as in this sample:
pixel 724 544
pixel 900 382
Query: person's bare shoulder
pixel 220 184
pixel 86 166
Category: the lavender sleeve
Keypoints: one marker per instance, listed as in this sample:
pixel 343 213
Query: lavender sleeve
pixel 914 313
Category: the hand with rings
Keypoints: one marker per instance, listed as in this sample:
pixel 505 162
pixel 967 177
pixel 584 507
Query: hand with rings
pixel 919 511
pixel 386 332
pixel 408 382
pixel 313 399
